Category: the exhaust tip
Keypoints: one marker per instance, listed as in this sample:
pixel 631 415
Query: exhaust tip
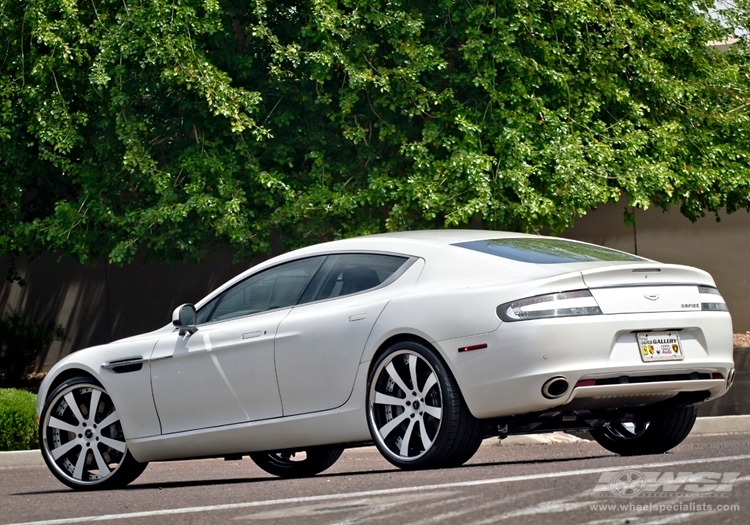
pixel 555 387
pixel 730 378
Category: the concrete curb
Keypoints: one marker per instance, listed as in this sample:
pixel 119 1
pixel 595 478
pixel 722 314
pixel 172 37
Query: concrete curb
pixel 21 459
pixel 721 424
pixel 704 425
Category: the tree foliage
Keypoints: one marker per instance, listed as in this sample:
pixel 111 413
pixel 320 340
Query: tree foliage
pixel 186 124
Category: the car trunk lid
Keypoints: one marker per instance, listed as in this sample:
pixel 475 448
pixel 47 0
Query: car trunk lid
pixel 644 288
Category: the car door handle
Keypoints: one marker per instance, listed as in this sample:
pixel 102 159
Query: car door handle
pixel 250 335
pixel 356 317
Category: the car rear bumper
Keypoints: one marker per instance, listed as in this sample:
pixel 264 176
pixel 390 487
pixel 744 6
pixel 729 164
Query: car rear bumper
pixel 506 378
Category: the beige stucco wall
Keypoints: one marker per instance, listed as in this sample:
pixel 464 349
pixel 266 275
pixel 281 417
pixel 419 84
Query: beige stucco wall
pixel 721 248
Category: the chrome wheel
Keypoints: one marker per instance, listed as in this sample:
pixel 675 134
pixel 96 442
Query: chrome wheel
pixel 405 405
pixel 416 413
pixel 82 439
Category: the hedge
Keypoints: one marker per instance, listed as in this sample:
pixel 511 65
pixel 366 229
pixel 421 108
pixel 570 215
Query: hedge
pixel 18 424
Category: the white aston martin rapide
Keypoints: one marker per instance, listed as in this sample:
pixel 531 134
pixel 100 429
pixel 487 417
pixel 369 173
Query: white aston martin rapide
pixel 423 343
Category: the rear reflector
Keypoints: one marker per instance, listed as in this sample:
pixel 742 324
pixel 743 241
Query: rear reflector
pixel 585 382
pixel 717 375
pixel 472 347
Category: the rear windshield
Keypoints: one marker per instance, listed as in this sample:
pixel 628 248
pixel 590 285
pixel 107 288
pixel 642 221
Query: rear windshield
pixel 546 250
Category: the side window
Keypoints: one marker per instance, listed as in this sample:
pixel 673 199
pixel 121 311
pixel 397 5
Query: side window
pixel 206 310
pixel 347 274
pixel 277 287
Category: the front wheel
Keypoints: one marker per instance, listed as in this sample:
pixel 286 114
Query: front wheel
pixel 654 432
pixel 82 440
pixel 416 413
pixel 299 464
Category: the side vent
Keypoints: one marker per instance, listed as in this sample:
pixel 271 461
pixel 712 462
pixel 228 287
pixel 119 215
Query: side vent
pixel 123 366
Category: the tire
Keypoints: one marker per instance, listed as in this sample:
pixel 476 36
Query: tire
pixel 655 433
pixel 289 465
pixel 417 416
pixel 84 448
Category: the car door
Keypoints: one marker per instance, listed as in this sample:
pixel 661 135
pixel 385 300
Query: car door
pixel 320 343
pixel 225 373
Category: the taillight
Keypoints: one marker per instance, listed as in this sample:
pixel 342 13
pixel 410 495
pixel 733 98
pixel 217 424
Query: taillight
pixel 563 304
pixel 711 299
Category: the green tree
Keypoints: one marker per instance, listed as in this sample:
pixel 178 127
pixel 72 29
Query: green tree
pixel 186 124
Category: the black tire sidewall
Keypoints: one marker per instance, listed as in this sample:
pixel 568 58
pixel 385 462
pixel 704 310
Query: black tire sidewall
pixel 668 427
pixel 318 459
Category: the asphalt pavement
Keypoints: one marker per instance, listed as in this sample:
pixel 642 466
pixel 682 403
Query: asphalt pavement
pixel 705 478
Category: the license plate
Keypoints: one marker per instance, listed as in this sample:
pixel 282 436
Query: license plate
pixel 659 346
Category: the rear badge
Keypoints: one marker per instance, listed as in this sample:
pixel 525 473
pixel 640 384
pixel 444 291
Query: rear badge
pixel 653 297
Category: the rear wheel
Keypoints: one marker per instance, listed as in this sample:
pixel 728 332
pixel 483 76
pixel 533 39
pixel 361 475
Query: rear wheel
pixel 654 432
pixel 415 411
pixel 298 464
pixel 82 440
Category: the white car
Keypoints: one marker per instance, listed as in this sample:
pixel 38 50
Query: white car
pixel 421 342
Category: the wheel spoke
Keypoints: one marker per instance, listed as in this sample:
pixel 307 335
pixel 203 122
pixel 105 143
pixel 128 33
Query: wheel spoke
pixel 428 384
pixel 396 378
pixel 78 472
pixel 406 438
pixel 426 443
pixel 64 449
pixel 435 412
pixel 71 400
pixel 119 446
pixel 62 425
pixel 383 399
pixel 112 418
pixel 393 423
pixel 94 404
pixel 413 372
pixel 103 467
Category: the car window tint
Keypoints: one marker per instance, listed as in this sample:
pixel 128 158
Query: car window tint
pixel 345 274
pixel 206 310
pixel 276 287
pixel 546 250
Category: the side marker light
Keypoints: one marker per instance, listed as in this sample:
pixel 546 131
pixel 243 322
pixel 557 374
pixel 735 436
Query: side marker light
pixel 472 347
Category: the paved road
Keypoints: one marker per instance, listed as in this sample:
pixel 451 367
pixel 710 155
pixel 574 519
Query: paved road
pixel 519 485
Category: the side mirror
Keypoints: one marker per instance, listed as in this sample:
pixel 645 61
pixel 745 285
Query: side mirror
pixel 184 317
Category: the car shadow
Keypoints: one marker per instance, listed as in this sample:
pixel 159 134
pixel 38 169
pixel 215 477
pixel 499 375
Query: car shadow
pixel 254 480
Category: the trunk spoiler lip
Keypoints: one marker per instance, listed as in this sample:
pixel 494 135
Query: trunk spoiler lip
pixel 645 274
